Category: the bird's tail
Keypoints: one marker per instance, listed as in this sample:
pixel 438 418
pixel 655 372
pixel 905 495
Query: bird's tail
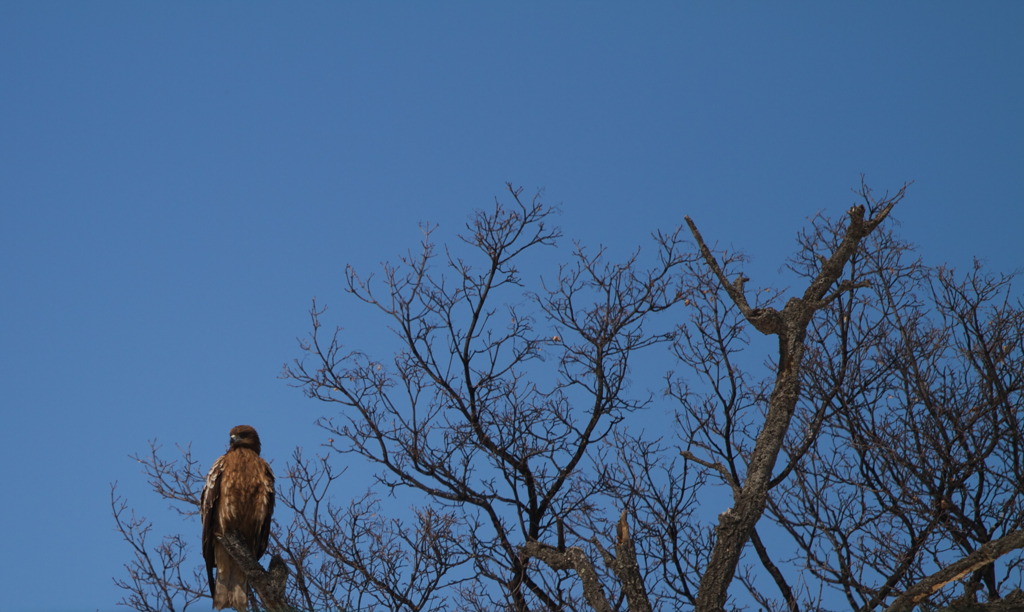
pixel 231 589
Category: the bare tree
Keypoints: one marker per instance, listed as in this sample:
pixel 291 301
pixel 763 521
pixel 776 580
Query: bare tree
pixel 160 577
pixel 472 411
pixel 920 374
pixel 872 453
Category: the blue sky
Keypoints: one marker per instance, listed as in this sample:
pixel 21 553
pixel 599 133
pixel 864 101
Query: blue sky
pixel 178 180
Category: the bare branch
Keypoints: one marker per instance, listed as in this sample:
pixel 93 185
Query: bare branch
pixel 983 556
pixel 572 558
pixel 268 584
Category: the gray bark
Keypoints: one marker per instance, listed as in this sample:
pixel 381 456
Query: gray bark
pixel 268 584
pixel 736 525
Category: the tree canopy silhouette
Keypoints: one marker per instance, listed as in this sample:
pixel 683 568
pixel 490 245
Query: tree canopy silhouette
pixel 873 455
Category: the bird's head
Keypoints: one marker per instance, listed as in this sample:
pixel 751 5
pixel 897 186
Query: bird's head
pixel 244 436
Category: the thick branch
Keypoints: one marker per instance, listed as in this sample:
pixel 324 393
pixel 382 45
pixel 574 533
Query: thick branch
pixel 765 320
pixel 627 569
pixel 572 558
pixel 269 585
pixel 987 553
pixel 1013 602
pixel 736 525
pixel 624 565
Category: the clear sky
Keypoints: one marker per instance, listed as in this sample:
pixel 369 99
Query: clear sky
pixel 178 180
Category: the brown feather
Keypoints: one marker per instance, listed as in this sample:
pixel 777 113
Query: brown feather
pixel 238 496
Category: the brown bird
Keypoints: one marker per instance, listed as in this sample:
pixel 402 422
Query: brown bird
pixel 238 496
